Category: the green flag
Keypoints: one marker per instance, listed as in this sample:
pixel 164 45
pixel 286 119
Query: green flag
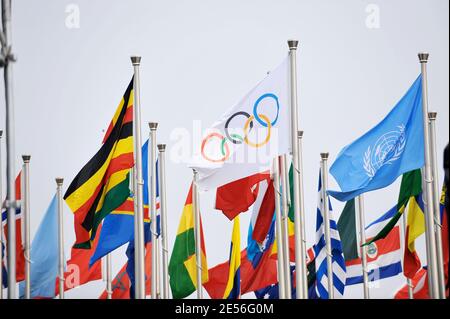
pixel 347 231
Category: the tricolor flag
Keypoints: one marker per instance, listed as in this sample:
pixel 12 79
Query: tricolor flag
pixel 102 185
pixel 338 262
pixel 20 258
pixel 247 137
pixel 233 287
pixel 384 257
pixel 182 264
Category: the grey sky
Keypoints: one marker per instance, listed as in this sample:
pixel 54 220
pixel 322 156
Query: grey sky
pixel 200 57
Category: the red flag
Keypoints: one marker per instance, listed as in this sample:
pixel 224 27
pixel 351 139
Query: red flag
pixel 263 275
pixel 78 272
pixel 236 197
pixel 420 284
pixel 265 213
pixel 121 283
pixel 20 258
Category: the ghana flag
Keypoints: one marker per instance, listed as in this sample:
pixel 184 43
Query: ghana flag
pixel 102 185
pixel 182 265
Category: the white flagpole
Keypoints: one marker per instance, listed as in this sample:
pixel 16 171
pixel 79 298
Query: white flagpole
pixel 108 277
pixel 295 162
pixel 5 61
pixel 26 219
pixel 284 230
pixel 279 231
pixel 303 268
pixel 198 245
pixel 326 221
pixel 433 283
pixel 139 245
pixel 164 233
pixel 153 224
pixel 59 182
pixel 437 211
pixel 362 236
pixel 1 222
pixel 408 280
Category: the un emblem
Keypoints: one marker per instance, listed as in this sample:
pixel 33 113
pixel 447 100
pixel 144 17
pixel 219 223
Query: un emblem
pixel 386 150
pixel 372 250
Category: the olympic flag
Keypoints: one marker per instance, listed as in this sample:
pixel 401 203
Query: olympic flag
pixel 248 136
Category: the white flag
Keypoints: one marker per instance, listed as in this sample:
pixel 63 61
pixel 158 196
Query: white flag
pixel 248 136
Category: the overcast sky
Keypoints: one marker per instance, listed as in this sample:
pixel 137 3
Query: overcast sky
pixel 355 60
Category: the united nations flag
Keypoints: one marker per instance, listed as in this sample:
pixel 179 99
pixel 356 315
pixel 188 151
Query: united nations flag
pixel 391 148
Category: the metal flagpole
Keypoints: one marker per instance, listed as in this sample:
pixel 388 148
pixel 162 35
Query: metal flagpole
pixel 1 223
pixel 139 245
pixel 26 213
pixel 59 182
pixel 108 277
pixel 303 269
pixel 153 224
pixel 284 230
pixel 326 221
pixel 278 231
pixel 408 280
pixel 164 234
pixel 295 162
pixel 198 245
pixel 437 211
pixel 5 61
pixel 362 236
pixel 428 189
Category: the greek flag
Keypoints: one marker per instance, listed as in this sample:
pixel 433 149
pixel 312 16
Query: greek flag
pixel 339 270
pixel 393 147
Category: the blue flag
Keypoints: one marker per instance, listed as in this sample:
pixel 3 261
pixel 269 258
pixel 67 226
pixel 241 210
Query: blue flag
pixel 393 147
pixel 44 256
pixel 118 227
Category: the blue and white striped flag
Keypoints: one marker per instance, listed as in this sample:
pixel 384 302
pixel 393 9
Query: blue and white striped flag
pixel 339 270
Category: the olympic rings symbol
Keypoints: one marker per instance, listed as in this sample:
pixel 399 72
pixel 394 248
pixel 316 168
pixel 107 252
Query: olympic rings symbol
pixel 248 126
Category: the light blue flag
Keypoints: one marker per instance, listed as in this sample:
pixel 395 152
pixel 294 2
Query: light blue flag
pixel 393 147
pixel 44 256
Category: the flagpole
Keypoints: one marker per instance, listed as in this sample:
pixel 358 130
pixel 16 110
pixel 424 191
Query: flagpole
pixel 198 245
pixel 5 61
pixel 139 245
pixel 428 201
pixel 303 268
pixel 1 221
pixel 295 162
pixel 108 277
pixel 153 223
pixel 362 232
pixel 279 231
pixel 437 211
pixel 408 280
pixel 164 233
pixel 59 183
pixel 284 231
pixel 26 214
pixel 326 220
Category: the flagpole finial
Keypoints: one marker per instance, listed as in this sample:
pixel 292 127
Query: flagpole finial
pixel 26 158
pixel 161 147
pixel 292 44
pixel 135 60
pixel 324 156
pixel 299 134
pixel 432 115
pixel 153 126
pixel 59 181
pixel 423 57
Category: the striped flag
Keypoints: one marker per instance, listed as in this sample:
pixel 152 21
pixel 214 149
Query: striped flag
pixel 102 185
pixel 20 258
pixel 338 264
pixel 233 287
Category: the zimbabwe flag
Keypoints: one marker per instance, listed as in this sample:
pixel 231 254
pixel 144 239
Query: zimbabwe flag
pixel 102 185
